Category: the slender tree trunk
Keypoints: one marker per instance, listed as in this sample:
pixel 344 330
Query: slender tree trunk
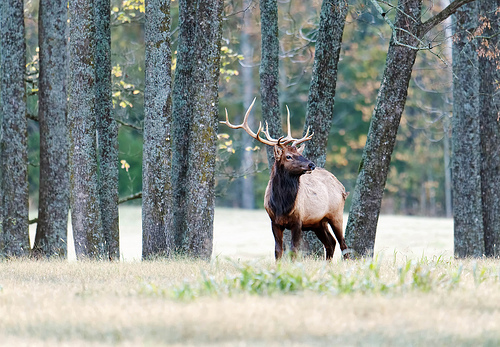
pixel 13 137
pixel 466 154
pixel 84 191
pixel 322 93
pixel 247 195
pixel 269 72
pixel 324 78
pixel 374 166
pixel 195 116
pixel 489 115
pixel 373 169
pixel 156 180
pixel 107 132
pixel 52 226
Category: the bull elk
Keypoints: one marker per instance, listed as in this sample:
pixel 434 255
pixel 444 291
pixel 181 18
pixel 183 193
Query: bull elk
pixel 299 196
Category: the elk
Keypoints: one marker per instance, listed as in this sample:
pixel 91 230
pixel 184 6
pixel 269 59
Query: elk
pixel 299 196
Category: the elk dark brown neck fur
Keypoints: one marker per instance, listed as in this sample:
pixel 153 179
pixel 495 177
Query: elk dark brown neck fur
pixel 284 188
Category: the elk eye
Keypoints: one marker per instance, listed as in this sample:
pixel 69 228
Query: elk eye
pixel 289 157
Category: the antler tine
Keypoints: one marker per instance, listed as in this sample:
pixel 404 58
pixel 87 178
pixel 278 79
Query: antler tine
pixel 246 127
pixel 306 137
pixel 289 134
pixel 266 132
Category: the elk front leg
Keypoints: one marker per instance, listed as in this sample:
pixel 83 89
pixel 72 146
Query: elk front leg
pixel 296 238
pixel 278 240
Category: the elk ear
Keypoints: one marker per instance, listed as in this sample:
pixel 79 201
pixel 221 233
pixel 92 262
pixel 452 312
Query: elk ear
pixel 278 151
pixel 300 150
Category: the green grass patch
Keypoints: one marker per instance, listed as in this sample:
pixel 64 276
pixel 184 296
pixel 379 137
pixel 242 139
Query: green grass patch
pixel 366 276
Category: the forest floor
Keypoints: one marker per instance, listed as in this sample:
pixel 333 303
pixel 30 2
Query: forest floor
pixel 413 294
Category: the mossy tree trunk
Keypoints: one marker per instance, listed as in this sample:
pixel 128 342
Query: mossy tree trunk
pixel 195 116
pixel 13 144
pixel 107 131
pixel 373 169
pixel 269 72
pixel 84 190
pixel 53 206
pixel 489 104
pixel 466 155
pixel 322 94
pixel 156 174
pixel 374 166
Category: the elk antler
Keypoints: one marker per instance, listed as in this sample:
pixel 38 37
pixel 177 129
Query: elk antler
pixel 282 141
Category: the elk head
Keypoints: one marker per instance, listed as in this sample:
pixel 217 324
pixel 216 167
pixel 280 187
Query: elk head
pixel 288 156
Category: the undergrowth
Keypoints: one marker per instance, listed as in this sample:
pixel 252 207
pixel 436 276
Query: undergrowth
pixel 360 276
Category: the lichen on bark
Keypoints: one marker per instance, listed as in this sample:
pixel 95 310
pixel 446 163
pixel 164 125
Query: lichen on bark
pixel 52 225
pixel 156 182
pixel 82 127
pixel 195 115
pixel 13 143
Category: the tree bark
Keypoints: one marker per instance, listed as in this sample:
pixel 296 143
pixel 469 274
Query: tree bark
pixel 156 167
pixel 269 72
pixel 466 155
pixel 489 106
pixel 84 191
pixel 13 143
pixel 373 169
pixel 195 117
pixel 322 94
pixel 53 206
pixel 374 166
pixel 107 132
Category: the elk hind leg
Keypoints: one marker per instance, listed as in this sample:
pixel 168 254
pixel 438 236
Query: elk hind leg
pixel 326 239
pixel 336 225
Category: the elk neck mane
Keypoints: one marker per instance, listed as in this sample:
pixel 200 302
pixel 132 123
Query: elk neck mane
pixel 284 189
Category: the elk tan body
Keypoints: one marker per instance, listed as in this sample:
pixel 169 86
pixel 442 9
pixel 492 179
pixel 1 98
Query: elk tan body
pixel 300 196
pixel 320 198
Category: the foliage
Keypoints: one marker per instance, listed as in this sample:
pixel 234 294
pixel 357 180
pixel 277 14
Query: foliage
pixel 410 189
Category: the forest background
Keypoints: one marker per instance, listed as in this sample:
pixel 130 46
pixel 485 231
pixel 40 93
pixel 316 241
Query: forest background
pixel 419 179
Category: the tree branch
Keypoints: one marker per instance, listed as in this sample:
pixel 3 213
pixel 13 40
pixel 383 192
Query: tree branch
pixel 128 124
pixel 441 16
pixel 130 197
pixel 32 116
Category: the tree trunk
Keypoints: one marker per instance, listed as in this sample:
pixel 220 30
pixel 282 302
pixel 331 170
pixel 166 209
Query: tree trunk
pixel 466 155
pixel 374 166
pixel 107 132
pixel 156 169
pixel 13 143
pixel 53 206
pixel 269 72
pixel 373 169
pixel 247 196
pixel 489 106
pixel 84 191
pixel 195 116
pixel 322 93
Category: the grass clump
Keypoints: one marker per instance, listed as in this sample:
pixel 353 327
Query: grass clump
pixel 367 276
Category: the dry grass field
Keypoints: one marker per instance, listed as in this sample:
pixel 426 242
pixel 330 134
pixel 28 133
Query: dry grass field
pixel 413 294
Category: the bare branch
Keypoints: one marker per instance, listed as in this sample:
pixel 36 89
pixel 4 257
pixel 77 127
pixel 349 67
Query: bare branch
pixel 128 125
pixel 441 16
pixel 130 197
pixel 32 117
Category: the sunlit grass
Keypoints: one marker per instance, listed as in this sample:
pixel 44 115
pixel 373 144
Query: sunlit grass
pixel 418 295
pixel 388 301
